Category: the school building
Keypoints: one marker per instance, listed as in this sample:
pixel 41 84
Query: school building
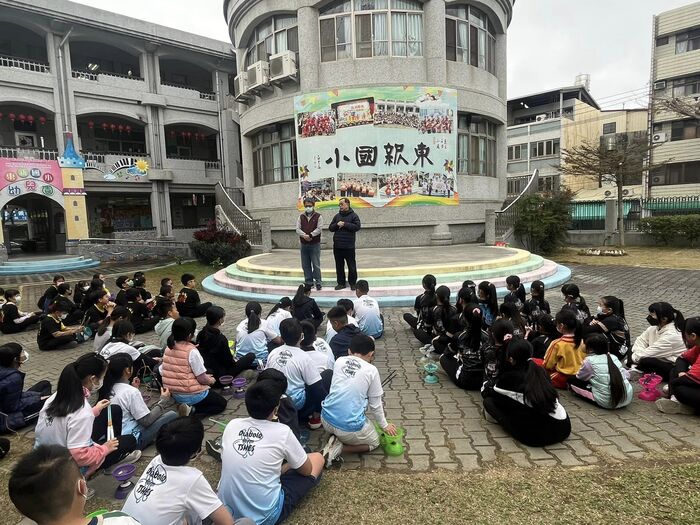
pixel 288 48
pixel 149 113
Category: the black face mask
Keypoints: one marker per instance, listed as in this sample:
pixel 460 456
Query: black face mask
pixel 652 320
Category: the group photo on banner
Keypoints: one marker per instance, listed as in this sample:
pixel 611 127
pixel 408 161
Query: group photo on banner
pixel 378 146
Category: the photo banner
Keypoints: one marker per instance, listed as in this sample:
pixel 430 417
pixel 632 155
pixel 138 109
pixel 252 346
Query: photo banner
pixel 379 146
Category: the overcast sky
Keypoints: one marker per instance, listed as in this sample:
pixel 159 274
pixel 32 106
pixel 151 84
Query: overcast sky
pixel 549 41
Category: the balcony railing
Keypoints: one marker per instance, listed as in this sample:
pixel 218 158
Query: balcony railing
pixel 28 153
pixel 206 161
pixel 23 63
pixel 212 164
pixel 206 95
pixel 94 76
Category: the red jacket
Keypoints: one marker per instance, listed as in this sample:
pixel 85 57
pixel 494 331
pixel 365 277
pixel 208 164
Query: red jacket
pixel 692 356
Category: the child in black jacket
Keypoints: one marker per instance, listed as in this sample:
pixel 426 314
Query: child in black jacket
pixel 304 308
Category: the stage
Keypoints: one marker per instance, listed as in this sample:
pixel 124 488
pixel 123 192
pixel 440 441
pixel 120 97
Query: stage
pixel 394 274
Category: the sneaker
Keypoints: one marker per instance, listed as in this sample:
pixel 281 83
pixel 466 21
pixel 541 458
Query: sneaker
pixel 183 409
pixel 315 422
pixel 332 450
pixel 433 355
pixel 635 374
pixel 213 447
pixel 319 286
pixel 671 406
pixel 352 287
pixel 666 390
pixel 129 459
pixel 427 350
pixel 341 286
pixel 488 417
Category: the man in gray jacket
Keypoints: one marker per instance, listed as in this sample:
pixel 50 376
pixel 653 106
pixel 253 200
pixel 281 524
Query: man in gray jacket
pixel 309 225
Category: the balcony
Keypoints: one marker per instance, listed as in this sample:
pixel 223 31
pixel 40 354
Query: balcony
pixel 95 76
pixel 204 95
pixel 102 161
pixel 23 63
pixel 28 153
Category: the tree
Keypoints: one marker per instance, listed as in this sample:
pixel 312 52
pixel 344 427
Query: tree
pixel 619 160
pixel 541 221
pixel 682 106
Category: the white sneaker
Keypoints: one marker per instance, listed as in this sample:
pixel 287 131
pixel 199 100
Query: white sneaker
pixel 427 350
pixel 665 390
pixel 672 406
pixel 332 450
pixel 488 417
pixel 635 374
pixel 183 409
pixel 424 348
pixel 131 458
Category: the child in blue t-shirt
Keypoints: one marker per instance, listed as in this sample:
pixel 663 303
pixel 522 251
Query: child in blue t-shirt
pixel 355 386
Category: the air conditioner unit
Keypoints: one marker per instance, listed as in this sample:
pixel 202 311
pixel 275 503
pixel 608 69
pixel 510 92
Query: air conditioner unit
pixel 608 193
pixel 656 138
pixel 240 87
pixel 658 180
pixel 661 84
pixel 625 192
pixel 258 75
pixel 283 66
pixel 541 118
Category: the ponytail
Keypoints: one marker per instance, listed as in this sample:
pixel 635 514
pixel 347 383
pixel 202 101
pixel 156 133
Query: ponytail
pixel 678 320
pixel 521 294
pixel 539 392
pixel 617 384
pixel 69 392
pixel 538 288
pixel 491 297
pixel 429 282
pixel 285 302
pixel 252 312
pixel 302 290
pixel 578 334
pixel 115 370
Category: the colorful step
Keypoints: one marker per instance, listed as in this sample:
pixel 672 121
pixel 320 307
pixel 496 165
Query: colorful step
pixel 49 265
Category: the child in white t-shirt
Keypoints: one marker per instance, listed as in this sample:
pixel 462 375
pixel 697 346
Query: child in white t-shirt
pixel 349 307
pixel 255 480
pixel 254 335
pixel 46 486
pixel 369 318
pixel 169 492
pixel 306 387
pixel 356 385
pixel 279 313
pixel 137 419
pixel 316 348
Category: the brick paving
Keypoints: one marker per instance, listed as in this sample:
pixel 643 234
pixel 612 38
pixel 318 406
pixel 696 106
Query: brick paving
pixel 444 427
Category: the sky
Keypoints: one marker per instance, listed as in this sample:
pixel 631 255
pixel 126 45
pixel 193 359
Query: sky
pixel 549 41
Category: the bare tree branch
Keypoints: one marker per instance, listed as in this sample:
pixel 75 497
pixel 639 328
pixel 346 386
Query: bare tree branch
pixel 682 106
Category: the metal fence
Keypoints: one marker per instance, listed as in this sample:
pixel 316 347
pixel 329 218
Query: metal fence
pixel 21 63
pixel 240 220
pixel 587 215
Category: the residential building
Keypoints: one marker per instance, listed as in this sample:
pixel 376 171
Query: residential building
pixel 290 48
pixel 675 73
pixel 148 110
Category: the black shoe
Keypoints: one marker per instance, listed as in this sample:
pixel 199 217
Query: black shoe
pixel 213 447
pixel 4 447
pixel 352 287
pixel 319 287
pixel 341 287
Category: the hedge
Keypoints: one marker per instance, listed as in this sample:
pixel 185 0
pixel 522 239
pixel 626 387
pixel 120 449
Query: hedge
pixel 667 228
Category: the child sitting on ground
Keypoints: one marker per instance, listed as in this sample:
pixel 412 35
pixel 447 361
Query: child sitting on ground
pixel 349 307
pixel 565 355
pixel 340 342
pixel 536 305
pixel 120 342
pixel 47 487
pixel 123 283
pixel 188 302
pixel 99 309
pixel 304 308
pixel 516 292
pixel 50 294
pixel 54 335
pixel 137 419
pixel 279 313
pixel 356 385
pixel 166 310
pixel 422 323
pixel 602 379
pixel 307 388
pixel 75 314
pixel 318 350
pixel 253 334
pixel 366 308
pixel 13 320
pixel 170 491
pixel 104 329
pixel 141 316
pixel 684 383
pixel 255 480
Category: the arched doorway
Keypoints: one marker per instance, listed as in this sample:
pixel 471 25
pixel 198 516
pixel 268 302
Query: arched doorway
pixel 33 224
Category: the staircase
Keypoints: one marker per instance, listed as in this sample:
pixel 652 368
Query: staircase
pixel 45 265
pixel 234 218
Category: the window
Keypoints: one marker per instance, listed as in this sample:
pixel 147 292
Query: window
pixel 470 37
pixel 685 129
pixel 687 86
pixel 609 127
pixel 274 35
pixel 688 41
pixel 192 210
pixel 517 152
pixel 544 148
pixel 476 145
pixel 677 173
pixel 661 41
pixel 275 155
pixel 371 28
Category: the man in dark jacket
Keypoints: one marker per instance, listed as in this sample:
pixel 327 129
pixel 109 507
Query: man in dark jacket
pixel 340 343
pixel 344 226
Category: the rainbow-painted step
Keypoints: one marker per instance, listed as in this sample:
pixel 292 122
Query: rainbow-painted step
pixel 394 274
pixel 34 265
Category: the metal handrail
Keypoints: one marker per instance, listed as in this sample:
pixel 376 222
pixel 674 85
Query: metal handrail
pixel 28 153
pixel 240 220
pixel 23 63
pixel 133 242
pixel 533 178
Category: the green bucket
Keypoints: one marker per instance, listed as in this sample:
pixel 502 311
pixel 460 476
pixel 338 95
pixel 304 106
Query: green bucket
pixel 392 445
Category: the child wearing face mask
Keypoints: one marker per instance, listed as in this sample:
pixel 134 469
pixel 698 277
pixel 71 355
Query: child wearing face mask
pixel 684 382
pixel 13 319
pixel 80 291
pixel 68 420
pixel 657 349
pixel 53 334
pixel 122 336
pixel 610 321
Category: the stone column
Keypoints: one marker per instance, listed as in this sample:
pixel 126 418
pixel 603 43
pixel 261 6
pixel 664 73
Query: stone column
pixel 490 228
pixel 309 48
pixel 433 42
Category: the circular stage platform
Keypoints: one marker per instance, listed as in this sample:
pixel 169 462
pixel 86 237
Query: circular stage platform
pixel 394 274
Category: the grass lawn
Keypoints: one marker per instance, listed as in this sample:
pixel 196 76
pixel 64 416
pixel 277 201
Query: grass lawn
pixel 636 491
pixel 640 256
pixel 175 271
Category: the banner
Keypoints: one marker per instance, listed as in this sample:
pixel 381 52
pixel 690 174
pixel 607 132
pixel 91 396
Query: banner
pixel 379 146
pixel 26 176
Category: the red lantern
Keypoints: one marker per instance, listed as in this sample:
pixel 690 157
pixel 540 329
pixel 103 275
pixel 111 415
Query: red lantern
pixel 22 117
pixel 30 119
pixel 105 126
pixel 189 134
pixel 11 116
pixel 183 134
pixel 42 120
pixel 91 124
pixel 128 129
pixel 172 133
pixel 120 128
pixel 112 127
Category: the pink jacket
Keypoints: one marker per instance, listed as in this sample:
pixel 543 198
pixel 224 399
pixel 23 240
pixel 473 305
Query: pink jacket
pixel 178 376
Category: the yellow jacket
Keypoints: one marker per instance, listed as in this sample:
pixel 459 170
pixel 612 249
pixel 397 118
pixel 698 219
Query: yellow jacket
pixel 563 356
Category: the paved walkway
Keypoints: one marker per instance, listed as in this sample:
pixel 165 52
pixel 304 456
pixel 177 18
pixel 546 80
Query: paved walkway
pixel 444 428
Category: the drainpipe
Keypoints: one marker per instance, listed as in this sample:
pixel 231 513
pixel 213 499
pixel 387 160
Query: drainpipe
pixel 222 144
pixel 64 83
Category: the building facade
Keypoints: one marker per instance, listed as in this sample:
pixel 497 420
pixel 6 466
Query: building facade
pixel 676 75
pixel 286 48
pixel 542 125
pixel 148 109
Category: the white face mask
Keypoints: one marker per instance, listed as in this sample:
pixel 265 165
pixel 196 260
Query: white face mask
pixel 309 209
pixel 18 298
pixel 86 288
pixel 599 310
pixel 63 316
pixel 96 387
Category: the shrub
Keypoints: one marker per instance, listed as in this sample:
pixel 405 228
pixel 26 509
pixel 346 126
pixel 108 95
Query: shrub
pixel 665 228
pixel 218 244
pixel 542 221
